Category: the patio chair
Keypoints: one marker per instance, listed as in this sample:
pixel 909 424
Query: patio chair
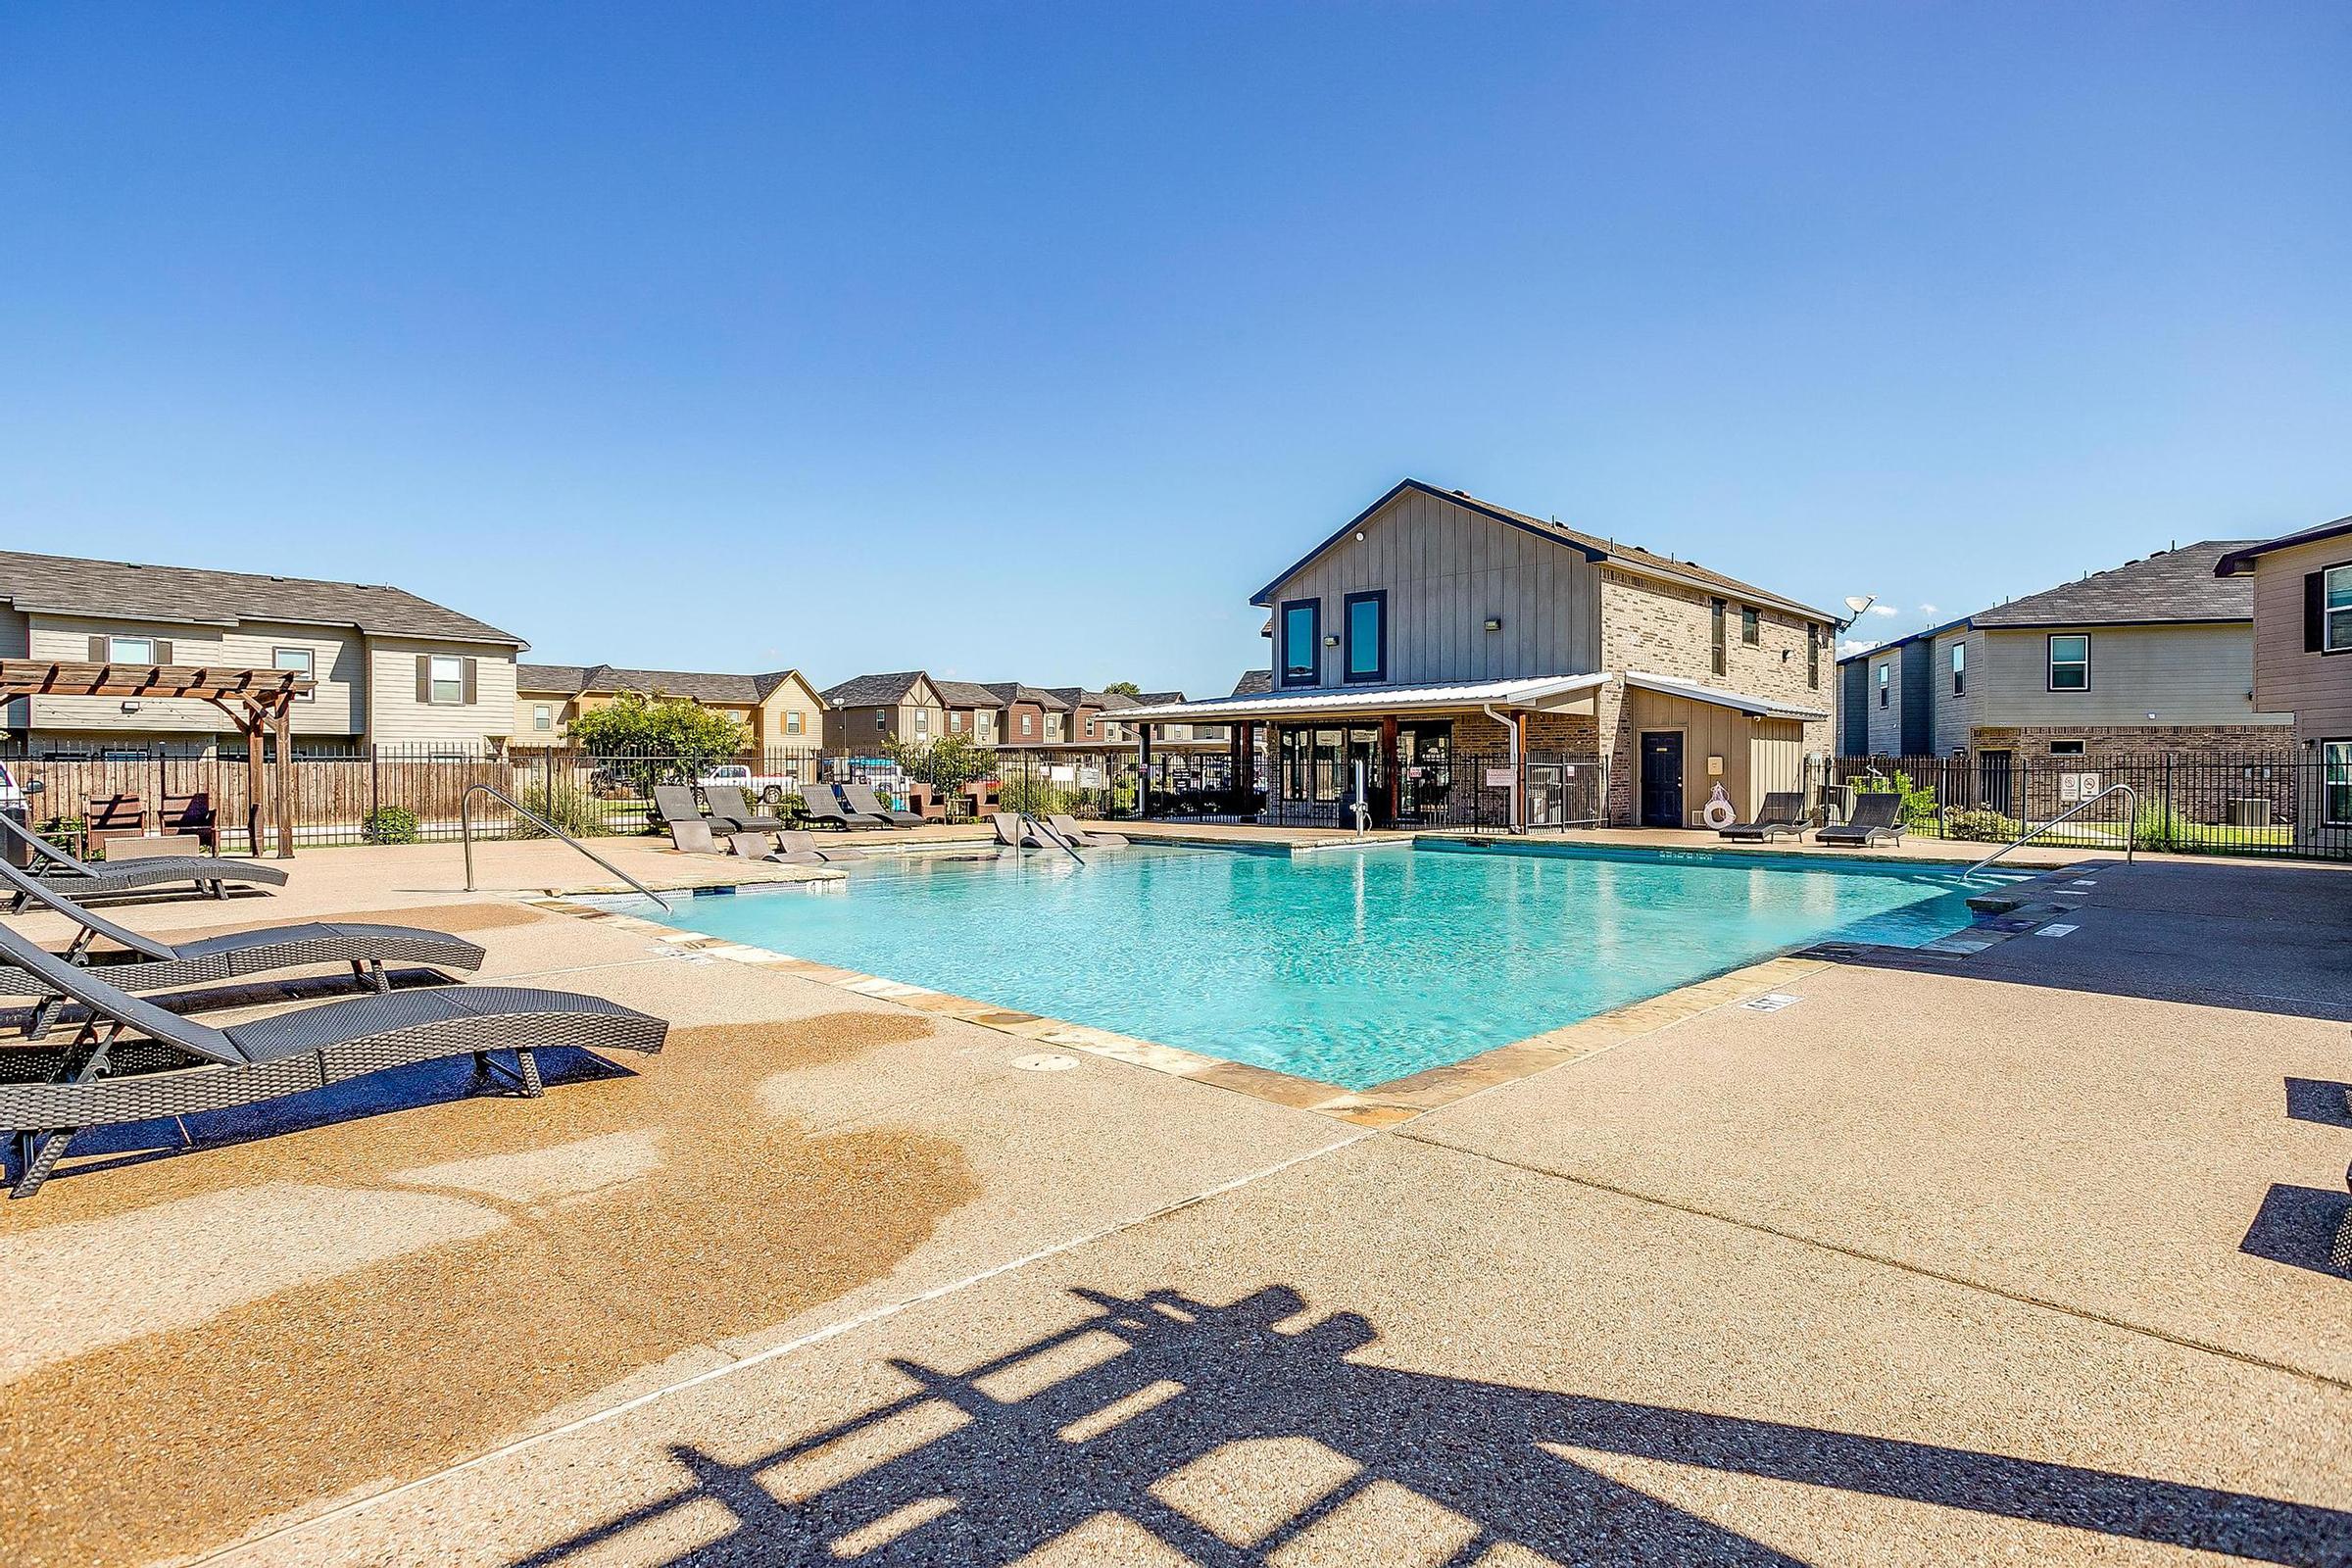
pixel 133 1061
pixel 676 804
pixel 823 803
pixel 1013 833
pixel 205 873
pixel 730 812
pixel 1784 812
pixel 800 840
pixel 1085 838
pixel 1877 815
pixel 193 815
pixel 861 798
pixel 149 963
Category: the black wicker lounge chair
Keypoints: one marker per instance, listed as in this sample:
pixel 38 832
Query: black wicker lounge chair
pixel 205 873
pixel 1784 812
pixel 1877 815
pixel 823 803
pixel 1084 837
pixel 171 1066
pixel 147 963
pixel 861 799
pixel 730 812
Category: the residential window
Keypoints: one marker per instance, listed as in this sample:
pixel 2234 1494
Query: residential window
pixel 881 718
pixel 1053 726
pixel 1721 660
pixel 791 722
pixel 1813 656
pixel 956 723
pixel 1751 625
pixel 2336 782
pixel 1959 670
pixel 448 680
pixel 1366 624
pixel 542 717
pixel 1028 726
pixel 1301 641
pixel 2070 661
pixel 2066 748
pixel 1886 671
pixel 131 651
pixel 297 660
pixel 1090 727
pixel 2337 605
pixel 922 721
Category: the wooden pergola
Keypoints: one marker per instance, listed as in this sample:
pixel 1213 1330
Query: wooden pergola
pixel 259 701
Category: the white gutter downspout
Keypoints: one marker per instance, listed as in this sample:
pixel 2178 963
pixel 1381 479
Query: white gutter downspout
pixel 1510 724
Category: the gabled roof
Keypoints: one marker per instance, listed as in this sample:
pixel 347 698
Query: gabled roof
pixel 874 691
pixel 1013 690
pixel 2174 585
pixel 1254 683
pixel 1629 558
pixel 701 685
pixel 2241 560
pixel 118 590
pixel 965 694
pixel 1738 702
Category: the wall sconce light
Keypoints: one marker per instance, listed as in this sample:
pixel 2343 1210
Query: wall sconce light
pixel 130 708
pixel 1784 656
pixel 1494 623
pixel 1331 640
pixel 1359 536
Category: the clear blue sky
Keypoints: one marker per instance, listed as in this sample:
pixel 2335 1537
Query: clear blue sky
pixel 1028 340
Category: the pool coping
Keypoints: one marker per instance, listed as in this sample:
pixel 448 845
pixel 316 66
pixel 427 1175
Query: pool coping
pixel 1381 1105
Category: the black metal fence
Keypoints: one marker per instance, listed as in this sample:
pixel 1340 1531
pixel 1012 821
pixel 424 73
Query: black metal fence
pixel 2269 804
pixel 1459 789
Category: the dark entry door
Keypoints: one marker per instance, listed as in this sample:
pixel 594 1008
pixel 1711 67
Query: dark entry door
pixel 1994 782
pixel 1662 778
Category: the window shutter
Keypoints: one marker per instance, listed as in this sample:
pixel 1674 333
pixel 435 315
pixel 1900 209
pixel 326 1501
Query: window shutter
pixel 98 650
pixel 2315 620
pixel 424 677
pixel 466 683
pixel 163 651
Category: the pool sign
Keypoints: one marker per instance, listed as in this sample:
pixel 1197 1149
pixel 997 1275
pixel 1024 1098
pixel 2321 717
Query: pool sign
pixel 1498 778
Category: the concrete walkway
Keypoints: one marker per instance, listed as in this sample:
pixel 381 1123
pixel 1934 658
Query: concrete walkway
pixel 1954 1265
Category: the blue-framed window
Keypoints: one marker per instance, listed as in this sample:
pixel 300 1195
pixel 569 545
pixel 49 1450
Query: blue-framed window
pixel 1301 641
pixel 1365 628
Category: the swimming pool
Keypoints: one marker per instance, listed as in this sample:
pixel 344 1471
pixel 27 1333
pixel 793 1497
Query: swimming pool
pixel 1352 966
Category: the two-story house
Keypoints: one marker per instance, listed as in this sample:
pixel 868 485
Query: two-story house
pixel 390 668
pixel 2302 589
pixel 864 711
pixel 1029 715
pixel 1444 643
pixel 778 709
pixel 974 712
pixel 2153 656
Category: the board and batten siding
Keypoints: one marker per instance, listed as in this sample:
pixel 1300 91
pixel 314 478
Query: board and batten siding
pixel 397 718
pixel 1447 570
pixel 1956 714
pixel 1885 724
pixel 337 708
pixel 2289 678
pixel 1758 755
pixel 2182 673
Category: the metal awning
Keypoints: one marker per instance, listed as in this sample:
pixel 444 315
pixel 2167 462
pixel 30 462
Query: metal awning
pixel 1738 702
pixel 1520 692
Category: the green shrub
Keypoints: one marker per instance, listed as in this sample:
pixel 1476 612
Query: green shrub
pixel 567 806
pixel 1919 804
pixel 1982 826
pixel 389 824
pixel 1031 796
pixel 63 830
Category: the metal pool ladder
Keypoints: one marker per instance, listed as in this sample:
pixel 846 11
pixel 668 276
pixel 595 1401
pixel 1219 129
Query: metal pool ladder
pixel 466 831
pixel 2131 827
pixel 1045 830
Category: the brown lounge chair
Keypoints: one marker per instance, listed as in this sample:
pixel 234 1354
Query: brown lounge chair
pixel 789 847
pixel 1784 812
pixel 861 798
pixel 823 803
pixel 730 812
pixel 133 1061
pixel 1085 838
pixel 1014 833
pixel 1877 815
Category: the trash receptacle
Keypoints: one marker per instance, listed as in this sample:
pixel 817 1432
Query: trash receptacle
pixel 18 809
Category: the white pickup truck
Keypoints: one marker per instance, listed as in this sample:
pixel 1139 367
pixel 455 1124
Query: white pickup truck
pixel 768 788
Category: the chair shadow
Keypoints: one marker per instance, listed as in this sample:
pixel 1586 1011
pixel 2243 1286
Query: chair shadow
pixel 1188 1379
pixel 2305 1226
pixel 2320 1101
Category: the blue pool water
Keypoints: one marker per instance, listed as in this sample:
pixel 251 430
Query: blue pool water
pixel 1352 966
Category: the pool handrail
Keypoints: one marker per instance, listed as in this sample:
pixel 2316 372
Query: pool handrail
pixel 1045 830
pixel 2131 827
pixel 465 832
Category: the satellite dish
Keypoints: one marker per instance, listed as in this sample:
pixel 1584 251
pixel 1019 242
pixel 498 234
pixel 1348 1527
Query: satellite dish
pixel 1858 603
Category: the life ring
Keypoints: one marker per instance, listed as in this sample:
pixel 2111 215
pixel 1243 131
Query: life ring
pixel 1719 813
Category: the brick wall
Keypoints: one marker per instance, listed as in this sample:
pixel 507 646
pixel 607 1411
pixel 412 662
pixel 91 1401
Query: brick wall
pixel 2213 742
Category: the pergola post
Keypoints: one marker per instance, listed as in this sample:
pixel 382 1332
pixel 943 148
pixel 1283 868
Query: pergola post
pixel 254 776
pixel 1143 768
pixel 284 786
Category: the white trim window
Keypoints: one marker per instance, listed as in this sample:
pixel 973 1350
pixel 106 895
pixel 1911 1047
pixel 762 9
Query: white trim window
pixel 543 716
pixel 297 662
pixel 922 723
pixel 2335 610
pixel 449 680
pixel 2070 661
pixel 2335 783
pixel 1959 670
pixel 792 722
pixel 1885 682
pixel 131 651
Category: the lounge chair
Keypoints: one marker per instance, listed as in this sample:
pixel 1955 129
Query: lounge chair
pixel 1085 838
pixel 676 804
pixel 859 798
pixel 730 812
pixel 147 963
pixel 174 1066
pixel 802 841
pixel 1784 812
pixel 1014 833
pixel 1877 815
pixel 824 803
pixel 205 873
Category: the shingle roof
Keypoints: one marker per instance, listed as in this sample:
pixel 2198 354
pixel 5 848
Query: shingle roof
pixel 873 691
pixel 1594 547
pixel 965 694
pixel 569 679
pixel 123 590
pixel 2172 585
pixel 1254 683
pixel 1013 690
pixel 1156 699
pixel 701 685
pixel 2243 556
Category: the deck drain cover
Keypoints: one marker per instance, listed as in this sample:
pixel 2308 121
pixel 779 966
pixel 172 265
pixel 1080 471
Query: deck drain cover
pixel 1769 1001
pixel 1045 1061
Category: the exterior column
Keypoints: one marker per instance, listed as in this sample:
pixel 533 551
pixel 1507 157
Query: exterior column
pixel 1143 768
pixel 252 784
pixel 1387 769
pixel 286 781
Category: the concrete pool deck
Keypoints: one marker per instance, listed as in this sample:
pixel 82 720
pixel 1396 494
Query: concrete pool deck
pixel 2023 1257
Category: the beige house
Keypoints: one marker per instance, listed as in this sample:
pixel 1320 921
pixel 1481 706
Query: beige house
pixel 1480 663
pixel 2302 593
pixel 779 709
pixel 864 713
pixel 390 668
pixel 973 711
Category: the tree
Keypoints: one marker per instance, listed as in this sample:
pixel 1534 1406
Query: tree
pixel 947 763
pixel 648 740
pixel 1126 688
